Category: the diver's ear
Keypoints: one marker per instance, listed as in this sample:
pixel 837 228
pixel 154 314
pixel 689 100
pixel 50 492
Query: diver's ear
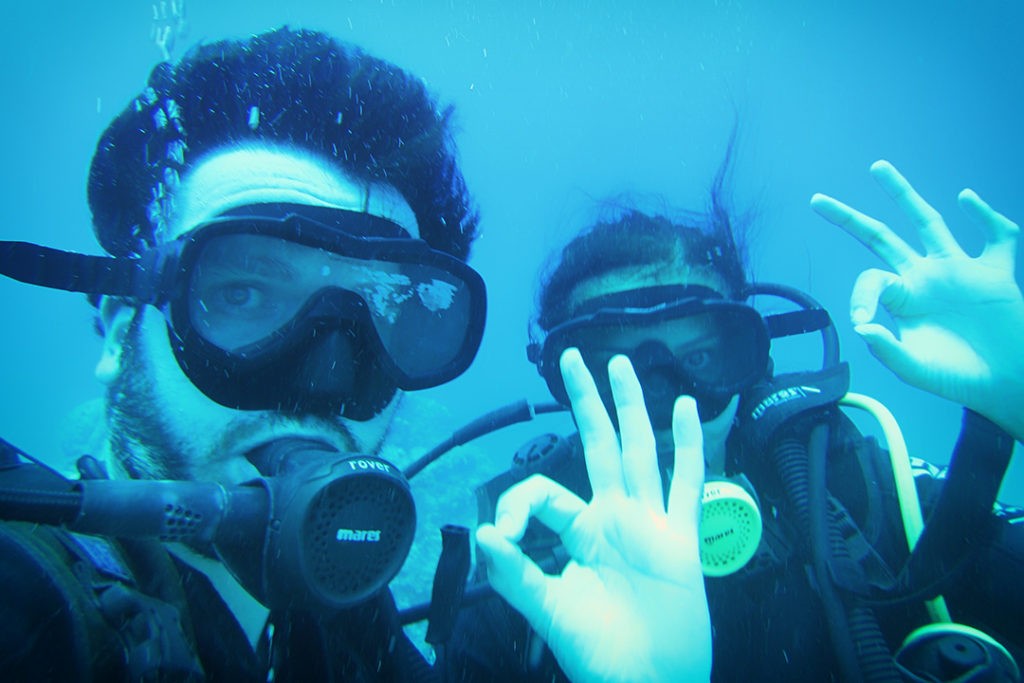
pixel 116 317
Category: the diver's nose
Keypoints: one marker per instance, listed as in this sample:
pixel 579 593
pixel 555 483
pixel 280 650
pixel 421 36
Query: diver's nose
pixel 328 366
pixel 338 368
pixel 651 354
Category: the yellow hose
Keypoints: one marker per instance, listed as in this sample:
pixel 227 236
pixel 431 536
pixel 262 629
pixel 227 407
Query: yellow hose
pixel 906 491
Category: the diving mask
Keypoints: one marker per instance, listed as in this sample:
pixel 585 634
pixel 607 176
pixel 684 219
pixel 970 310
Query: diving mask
pixel 680 340
pixel 293 307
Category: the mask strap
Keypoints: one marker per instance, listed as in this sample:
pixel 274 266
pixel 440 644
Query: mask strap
pixel 45 267
pixel 797 322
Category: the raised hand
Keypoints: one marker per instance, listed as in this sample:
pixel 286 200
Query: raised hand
pixel 959 321
pixel 630 605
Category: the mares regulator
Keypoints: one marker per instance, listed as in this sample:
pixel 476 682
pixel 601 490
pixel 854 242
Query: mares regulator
pixel 318 530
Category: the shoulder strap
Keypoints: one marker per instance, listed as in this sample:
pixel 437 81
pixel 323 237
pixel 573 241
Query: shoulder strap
pixel 769 405
pixel 152 615
pixel 77 595
pixel 53 625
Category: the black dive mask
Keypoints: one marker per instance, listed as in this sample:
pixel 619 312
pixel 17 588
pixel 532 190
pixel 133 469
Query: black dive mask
pixel 680 340
pixel 292 307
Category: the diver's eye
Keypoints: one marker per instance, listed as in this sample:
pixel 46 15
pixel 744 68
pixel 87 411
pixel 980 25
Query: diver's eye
pixel 238 295
pixel 696 361
pixel 234 298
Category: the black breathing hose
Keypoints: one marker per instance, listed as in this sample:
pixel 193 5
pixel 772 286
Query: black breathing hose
pixel 42 493
pixel 790 459
pixel 43 507
pixel 513 413
pixel 818 527
pixel 802 471
pixel 871 653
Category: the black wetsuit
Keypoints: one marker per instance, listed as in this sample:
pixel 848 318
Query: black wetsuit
pixel 84 608
pixel 767 620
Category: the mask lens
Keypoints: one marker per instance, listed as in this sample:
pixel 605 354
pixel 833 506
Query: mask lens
pixel 247 290
pixel 717 350
pixel 245 287
pixel 422 321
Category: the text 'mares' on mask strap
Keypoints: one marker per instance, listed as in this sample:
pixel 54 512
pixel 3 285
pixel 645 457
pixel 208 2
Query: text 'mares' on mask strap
pixel 680 339
pixel 292 307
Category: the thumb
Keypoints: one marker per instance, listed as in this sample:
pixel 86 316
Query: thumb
pixel 515 577
pixel 884 346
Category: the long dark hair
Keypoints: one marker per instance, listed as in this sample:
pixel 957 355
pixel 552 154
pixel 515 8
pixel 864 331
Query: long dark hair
pixel 712 240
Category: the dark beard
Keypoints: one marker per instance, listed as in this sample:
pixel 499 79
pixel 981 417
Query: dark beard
pixel 150 446
pixel 140 439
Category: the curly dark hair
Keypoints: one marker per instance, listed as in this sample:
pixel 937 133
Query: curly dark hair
pixel 300 87
pixel 711 240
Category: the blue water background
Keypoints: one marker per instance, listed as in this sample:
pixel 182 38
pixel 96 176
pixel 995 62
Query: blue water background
pixel 560 105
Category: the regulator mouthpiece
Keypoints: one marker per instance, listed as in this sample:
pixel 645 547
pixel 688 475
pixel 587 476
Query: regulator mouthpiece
pixel 319 530
pixel 340 527
pixel 730 526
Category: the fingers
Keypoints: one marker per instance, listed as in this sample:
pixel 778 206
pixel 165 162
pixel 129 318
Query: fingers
pixel 537 496
pixel 688 473
pixel 639 452
pixel 933 231
pixel 515 576
pixel 600 443
pixel 886 348
pixel 871 286
pixel 1000 232
pixel 873 234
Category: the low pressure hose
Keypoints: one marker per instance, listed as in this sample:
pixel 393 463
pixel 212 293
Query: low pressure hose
pixel 873 654
pixel 815 462
pixel 790 460
pixel 858 634
pixel 876 660
pixel 903 477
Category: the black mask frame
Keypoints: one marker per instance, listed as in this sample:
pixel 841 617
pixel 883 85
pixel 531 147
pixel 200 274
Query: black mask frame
pixel 652 304
pixel 160 277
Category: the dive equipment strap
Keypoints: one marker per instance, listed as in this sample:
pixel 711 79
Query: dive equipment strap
pixel 37 265
pixel 117 630
pixel 767 406
pixel 797 322
pixel 49 604
pixel 127 614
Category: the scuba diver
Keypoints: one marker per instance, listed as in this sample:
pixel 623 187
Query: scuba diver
pixel 818 565
pixel 288 228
